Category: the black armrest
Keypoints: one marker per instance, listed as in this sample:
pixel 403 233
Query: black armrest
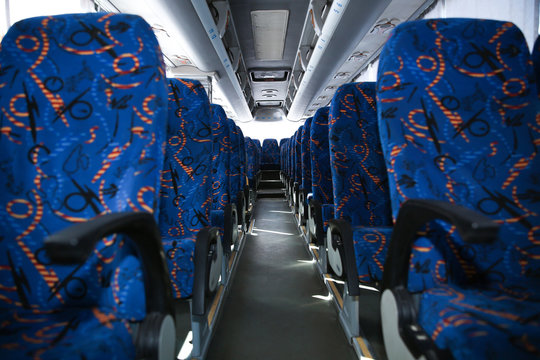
pixel 472 226
pixel 75 243
pixel 343 229
pixel 206 237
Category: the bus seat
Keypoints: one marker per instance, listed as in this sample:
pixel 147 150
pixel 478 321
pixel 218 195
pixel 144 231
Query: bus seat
pixel 252 165
pixel 243 176
pixel 292 166
pixel 321 205
pixel 283 143
pixel 297 167
pixel 223 213
pixel 282 146
pixel 236 192
pixel 305 187
pixel 270 154
pixel 83 110
pixel 456 112
pixel 360 185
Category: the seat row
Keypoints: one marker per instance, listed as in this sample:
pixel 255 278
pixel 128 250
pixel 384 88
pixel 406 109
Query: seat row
pixel 125 194
pixel 424 186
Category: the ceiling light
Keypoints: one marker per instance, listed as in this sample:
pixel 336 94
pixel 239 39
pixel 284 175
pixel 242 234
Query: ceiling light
pixel 269 30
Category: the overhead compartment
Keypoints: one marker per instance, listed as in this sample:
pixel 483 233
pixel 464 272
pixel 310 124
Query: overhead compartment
pixel 338 42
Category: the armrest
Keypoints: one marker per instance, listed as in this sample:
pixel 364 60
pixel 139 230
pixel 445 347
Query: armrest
pixel 472 226
pixel 202 259
pixel 315 209
pixel 343 229
pixel 75 243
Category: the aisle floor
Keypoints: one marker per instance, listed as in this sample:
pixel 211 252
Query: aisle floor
pixel 271 311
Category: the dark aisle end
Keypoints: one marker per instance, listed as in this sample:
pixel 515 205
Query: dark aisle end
pixel 270 312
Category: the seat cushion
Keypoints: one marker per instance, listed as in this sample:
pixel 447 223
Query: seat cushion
pixel 480 323
pixel 370 247
pixel 76 333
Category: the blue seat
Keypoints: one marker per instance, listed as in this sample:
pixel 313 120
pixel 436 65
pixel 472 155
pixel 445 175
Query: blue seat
pixel 83 122
pixel 458 130
pixel 305 186
pixel 292 166
pixel 223 212
pixel 297 167
pixel 270 154
pixel 243 176
pixel 282 154
pixel 360 187
pixel 235 173
pixel 186 187
pixel 251 153
pixel 321 205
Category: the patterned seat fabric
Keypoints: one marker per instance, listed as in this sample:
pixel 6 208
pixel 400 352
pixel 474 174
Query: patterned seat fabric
pixel 82 105
pixel 220 166
pixel 359 178
pixel 234 162
pixel 321 177
pixel 252 166
pixel 298 155
pixel 186 187
pixel 306 156
pixel 243 162
pixel 457 122
pixel 270 152
pixel 283 144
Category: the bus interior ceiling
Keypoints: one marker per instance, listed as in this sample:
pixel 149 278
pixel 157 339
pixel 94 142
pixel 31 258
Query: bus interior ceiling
pixel 298 179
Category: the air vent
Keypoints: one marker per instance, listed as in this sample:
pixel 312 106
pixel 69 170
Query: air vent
pixel 385 25
pixel 269 30
pixel 358 56
pixel 342 75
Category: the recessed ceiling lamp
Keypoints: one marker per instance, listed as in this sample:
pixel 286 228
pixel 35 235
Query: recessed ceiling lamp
pixel 269 30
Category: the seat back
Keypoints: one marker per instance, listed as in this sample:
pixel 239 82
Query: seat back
pixel 186 185
pixel 234 164
pixel 251 152
pixel 220 158
pixel 359 178
pixel 83 121
pixel 270 152
pixel 321 179
pixel 298 156
pixel 242 152
pixel 457 123
pixel 306 156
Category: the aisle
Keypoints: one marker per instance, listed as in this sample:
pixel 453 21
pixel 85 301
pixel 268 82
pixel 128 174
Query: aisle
pixel 270 312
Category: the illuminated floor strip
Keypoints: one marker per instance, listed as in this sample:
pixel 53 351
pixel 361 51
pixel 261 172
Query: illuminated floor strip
pixel 213 309
pixel 364 348
pixel 335 291
pixel 272 232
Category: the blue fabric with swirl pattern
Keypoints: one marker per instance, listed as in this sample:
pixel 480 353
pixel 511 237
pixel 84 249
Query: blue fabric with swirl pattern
pixel 298 156
pixel 360 182
pixel 83 109
pixel 456 106
pixel 186 185
pixel 243 157
pixel 234 161
pixel 321 176
pixel 220 166
pixel 252 165
pixel 270 152
pixel 306 155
